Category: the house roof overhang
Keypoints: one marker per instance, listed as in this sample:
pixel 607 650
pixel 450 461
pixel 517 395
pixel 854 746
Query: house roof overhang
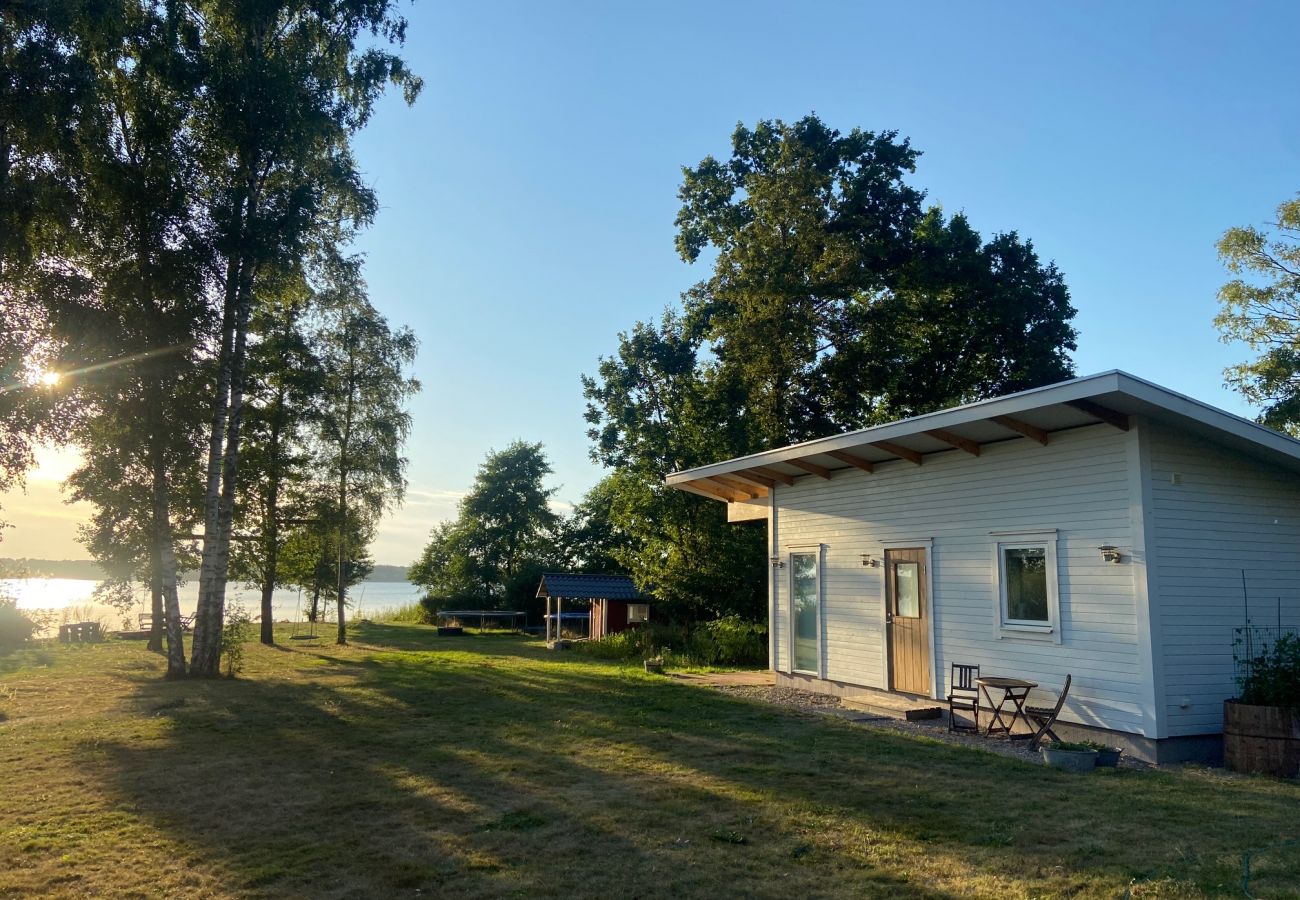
pixel 1110 398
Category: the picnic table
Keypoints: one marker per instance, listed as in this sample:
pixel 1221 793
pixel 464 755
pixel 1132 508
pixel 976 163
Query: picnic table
pixel 1012 695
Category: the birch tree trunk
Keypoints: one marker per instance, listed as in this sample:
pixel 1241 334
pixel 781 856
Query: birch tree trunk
pixel 271 527
pixel 155 595
pixel 344 444
pixel 166 555
pixel 206 632
pixel 223 461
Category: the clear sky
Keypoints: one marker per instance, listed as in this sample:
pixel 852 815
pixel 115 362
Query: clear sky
pixel 528 197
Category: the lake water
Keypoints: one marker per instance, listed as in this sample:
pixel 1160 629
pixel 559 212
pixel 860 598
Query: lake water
pixel 73 599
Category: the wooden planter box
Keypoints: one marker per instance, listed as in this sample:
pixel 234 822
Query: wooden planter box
pixel 1263 739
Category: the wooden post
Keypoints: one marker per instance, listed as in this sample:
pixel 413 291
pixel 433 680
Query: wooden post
pixel 559 618
pixel 547 621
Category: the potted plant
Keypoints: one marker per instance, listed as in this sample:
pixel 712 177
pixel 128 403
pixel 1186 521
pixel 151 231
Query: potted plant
pixel 1107 757
pixel 655 665
pixel 1261 727
pixel 1070 756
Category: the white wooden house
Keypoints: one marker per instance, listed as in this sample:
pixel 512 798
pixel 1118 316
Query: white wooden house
pixel 1103 527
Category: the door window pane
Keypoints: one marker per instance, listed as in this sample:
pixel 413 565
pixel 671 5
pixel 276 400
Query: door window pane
pixel 803 567
pixel 907 589
pixel 1025 571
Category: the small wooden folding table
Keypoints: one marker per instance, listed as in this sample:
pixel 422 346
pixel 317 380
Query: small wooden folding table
pixel 1014 693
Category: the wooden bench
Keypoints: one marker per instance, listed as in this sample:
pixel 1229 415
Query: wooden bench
pixel 146 622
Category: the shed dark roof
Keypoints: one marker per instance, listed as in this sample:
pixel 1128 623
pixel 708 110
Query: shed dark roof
pixel 588 587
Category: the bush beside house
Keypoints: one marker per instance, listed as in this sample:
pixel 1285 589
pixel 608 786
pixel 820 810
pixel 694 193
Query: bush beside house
pixel 729 641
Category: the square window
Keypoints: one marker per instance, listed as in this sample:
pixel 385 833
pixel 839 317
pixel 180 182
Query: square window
pixel 1025 570
pixel 1027 587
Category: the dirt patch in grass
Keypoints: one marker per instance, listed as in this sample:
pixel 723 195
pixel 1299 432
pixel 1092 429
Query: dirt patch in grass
pixel 487 766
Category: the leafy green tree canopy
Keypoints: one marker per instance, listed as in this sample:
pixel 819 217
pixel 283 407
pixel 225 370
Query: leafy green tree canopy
pixel 837 300
pixel 1261 308
pixel 502 537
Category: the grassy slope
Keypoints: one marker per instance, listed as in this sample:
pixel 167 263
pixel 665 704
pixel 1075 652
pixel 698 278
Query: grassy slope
pixel 492 768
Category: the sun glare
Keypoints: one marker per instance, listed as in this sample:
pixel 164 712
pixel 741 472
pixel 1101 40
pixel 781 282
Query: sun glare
pixel 50 379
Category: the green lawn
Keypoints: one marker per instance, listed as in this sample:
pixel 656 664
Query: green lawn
pixel 485 766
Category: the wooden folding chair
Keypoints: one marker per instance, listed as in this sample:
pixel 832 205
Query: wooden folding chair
pixel 1042 718
pixel 963 695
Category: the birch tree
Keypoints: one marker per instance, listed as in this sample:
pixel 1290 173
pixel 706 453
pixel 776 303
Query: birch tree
pixel 363 422
pixel 285 377
pixel 286 87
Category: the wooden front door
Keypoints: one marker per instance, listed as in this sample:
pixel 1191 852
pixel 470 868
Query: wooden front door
pixel 907 620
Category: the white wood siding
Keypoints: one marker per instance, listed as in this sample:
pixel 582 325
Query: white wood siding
pixel 1079 485
pixel 1228 514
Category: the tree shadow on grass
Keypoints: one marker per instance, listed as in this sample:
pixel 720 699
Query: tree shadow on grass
pixel 516 771
pixel 14 658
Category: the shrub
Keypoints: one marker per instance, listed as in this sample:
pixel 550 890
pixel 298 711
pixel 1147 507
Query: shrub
pixel 410 614
pixel 729 641
pixel 15 627
pixel 233 637
pixel 1076 746
pixel 1273 677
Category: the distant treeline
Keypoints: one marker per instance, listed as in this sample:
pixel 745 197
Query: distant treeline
pixel 90 570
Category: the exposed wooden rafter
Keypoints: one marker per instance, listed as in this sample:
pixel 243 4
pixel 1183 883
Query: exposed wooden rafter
pixel 749 491
pixel 1097 411
pixel 709 489
pixel 773 474
pixel 856 461
pixel 810 468
pixel 1030 431
pixel 955 440
pixel 752 477
pixel 899 450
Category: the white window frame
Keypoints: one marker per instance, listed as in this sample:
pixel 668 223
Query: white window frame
pixel 1004 627
pixel 815 551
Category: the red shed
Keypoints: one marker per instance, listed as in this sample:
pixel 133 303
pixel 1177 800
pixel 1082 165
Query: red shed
pixel 616 604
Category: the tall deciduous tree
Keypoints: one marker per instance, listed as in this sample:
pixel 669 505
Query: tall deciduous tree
pixel 47 90
pixel 284 379
pixel 501 538
pixel 1261 308
pixel 363 422
pixel 143 255
pixel 657 406
pixel 286 87
pixel 837 299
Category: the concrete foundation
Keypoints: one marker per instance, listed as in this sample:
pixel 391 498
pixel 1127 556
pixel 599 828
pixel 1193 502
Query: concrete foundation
pixel 1202 748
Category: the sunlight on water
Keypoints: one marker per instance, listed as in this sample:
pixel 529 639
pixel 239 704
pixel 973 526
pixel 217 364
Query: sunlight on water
pixel 67 596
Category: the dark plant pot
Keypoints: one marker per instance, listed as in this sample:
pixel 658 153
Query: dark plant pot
pixel 1261 739
pixel 1070 760
pixel 654 667
pixel 1109 758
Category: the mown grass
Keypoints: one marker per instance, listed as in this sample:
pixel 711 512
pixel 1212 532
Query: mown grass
pixel 486 766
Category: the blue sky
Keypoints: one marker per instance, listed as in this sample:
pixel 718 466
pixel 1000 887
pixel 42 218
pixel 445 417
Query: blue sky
pixel 528 197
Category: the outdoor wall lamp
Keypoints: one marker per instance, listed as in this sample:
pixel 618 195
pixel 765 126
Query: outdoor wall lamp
pixel 1110 554
pixel 778 563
